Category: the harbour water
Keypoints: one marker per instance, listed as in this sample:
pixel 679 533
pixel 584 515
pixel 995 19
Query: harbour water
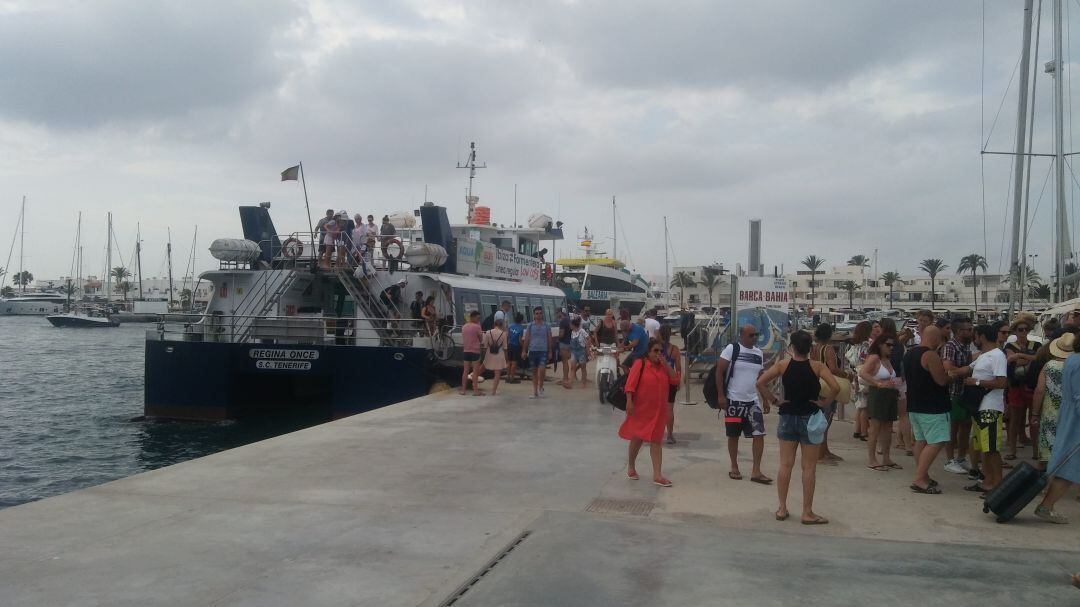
pixel 70 407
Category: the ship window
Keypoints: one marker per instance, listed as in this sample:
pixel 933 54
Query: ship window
pixel 522 305
pixel 469 302
pixel 549 310
pixel 488 305
pixel 594 282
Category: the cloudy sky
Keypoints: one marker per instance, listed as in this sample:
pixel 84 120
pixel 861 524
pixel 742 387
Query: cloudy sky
pixel 848 126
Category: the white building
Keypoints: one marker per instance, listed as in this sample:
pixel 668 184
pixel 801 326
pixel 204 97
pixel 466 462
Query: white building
pixel 951 290
pixel 696 295
pixel 152 287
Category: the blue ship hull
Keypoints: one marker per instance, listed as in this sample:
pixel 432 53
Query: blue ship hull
pixel 213 381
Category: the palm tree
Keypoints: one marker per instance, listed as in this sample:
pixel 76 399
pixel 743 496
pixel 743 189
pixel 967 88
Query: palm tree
pixel 682 280
pixel 890 278
pixel 69 290
pixel 710 282
pixel 812 263
pixel 185 299
pixel 973 263
pixel 859 261
pixel 932 267
pixel 7 292
pixel 1040 291
pixel 124 287
pixel 23 279
pixel 850 286
pixel 119 273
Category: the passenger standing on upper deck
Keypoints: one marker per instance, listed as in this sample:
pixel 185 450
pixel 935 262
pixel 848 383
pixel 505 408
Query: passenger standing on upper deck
pixel 471 338
pixel 416 308
pixel 646 409
pixel 536 343
pixel 372 238
pixel 320 230
pixel 430 316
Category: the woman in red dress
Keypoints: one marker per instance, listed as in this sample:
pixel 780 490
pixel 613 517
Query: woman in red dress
pixel 647 410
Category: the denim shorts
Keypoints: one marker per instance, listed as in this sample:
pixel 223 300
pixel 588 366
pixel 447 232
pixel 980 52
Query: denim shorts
pixel 538 359
pixel 580 356
pixel 793 428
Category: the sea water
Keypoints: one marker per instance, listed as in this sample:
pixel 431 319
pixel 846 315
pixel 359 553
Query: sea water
pixel 71 402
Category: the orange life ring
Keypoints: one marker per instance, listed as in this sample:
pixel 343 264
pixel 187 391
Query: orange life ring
pixel 292 248
pixel 400 249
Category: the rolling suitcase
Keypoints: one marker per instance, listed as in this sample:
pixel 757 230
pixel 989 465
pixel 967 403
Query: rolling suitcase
pixel 1017 490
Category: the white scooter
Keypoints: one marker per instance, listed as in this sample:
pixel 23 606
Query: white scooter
pixel 607 369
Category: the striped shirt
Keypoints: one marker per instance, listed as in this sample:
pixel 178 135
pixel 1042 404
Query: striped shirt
pixel 959 355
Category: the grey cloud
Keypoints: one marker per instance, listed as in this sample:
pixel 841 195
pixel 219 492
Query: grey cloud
pixel 89 63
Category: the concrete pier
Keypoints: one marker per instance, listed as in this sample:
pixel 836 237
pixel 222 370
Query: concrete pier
pixel 410 504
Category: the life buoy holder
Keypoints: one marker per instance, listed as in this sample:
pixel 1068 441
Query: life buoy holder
pixel 292 248
pixel 400 249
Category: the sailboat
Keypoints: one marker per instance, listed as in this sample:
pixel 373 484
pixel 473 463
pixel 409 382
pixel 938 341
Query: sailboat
pixel 72 318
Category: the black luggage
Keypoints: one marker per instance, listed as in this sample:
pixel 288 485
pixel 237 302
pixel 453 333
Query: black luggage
pixel 1017 489
pixel 1014 492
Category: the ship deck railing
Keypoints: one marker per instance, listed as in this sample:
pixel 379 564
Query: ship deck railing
pixel 301 329
pixel 308 257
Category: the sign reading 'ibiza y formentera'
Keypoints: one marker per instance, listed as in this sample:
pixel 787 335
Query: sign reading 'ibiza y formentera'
pixel 479 258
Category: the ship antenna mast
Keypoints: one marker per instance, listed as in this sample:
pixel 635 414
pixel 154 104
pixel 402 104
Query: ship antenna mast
pixel 472 166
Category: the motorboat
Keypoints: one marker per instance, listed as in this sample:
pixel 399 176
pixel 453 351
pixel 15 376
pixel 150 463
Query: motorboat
pixel 72 320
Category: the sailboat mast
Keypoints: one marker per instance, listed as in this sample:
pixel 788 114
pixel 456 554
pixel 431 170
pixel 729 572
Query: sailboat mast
pixel 138 256
pixel 78 254
pixel 1018 163
pixel 614 233
pixel 1064 247
pixel 22 237
pixel 667 278
pixel 168 255
pixel 108 259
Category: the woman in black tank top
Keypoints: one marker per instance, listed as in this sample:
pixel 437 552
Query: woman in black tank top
pixel 606 329
pixel 801 378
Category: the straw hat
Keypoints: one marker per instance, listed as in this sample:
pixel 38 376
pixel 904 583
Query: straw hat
pixel 1024 318
pixel 1062 347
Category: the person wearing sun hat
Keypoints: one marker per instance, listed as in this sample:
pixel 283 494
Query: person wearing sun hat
pixel 1059 423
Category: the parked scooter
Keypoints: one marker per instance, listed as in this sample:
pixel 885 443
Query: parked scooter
pixel 607 369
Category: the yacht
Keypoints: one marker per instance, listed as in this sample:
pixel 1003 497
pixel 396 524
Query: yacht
pixel 596 281
pixel 33 304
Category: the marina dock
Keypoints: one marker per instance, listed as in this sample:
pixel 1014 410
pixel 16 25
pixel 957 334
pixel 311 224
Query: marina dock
pixel 451 500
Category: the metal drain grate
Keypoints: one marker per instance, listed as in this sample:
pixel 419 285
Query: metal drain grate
pixel 486 569
pixel 610 506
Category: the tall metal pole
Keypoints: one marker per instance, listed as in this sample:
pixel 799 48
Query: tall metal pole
pixel 22 237
pixel 614 232
pixel 1027 170
pixel 108 259
pixel 667 277
pixel 138 256
pixel 1062 222
pixel 307 207
pixel 1018 162
pixel 168 256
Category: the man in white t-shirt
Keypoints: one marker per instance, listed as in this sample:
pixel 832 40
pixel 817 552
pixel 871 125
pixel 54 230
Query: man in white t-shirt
pixel 652 326
pixel 741 402
pixel 990 372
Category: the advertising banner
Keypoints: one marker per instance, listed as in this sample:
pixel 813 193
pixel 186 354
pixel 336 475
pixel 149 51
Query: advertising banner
pixel 482 259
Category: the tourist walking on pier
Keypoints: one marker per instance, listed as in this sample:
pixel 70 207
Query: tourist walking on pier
pixel 801 378
pixel 646 409
pixel 495 344
pixel 513 347
pixel 879 375
pixel 579 352
pixel 471 340
pixel 1046 403
pixel 652 326
pixel 928 406
pixel 1020 354
pixel 565 332
pixel 536 343
pixel 738 397
pixel 855 356
pixel 671 357
pixel 989 372
pixel 956 354
pixel 824 353
pixel 1064 462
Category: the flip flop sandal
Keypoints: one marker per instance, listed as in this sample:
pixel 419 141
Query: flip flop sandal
pixel 782 517
pixel 933 483
pixel 894 466
pixel 816 521
pixel 761 480
pixel 662 482
pixel 632 476
pixel 976 488
pixel 930 490
pixel 735 476
pixel 879 468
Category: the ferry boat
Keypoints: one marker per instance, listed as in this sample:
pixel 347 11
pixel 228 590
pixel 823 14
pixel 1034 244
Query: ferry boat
pixel 596 280
pixel 282 333
pixel 33 304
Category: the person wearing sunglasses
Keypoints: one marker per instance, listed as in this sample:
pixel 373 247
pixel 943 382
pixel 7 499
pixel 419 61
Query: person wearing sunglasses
pixel 989 372
pixel 646 409
pixel 882 401
pixel 741 401
pixel 1020 353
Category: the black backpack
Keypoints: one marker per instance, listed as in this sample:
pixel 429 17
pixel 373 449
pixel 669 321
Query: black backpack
pixel 617 395
pixel 712 397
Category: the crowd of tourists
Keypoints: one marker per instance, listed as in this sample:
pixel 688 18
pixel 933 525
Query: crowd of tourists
pixel 351 242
